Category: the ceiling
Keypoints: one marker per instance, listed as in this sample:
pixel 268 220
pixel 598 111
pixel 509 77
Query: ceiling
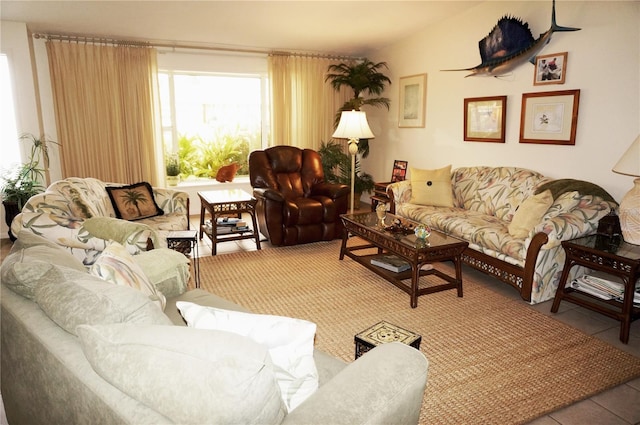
pixel 335 27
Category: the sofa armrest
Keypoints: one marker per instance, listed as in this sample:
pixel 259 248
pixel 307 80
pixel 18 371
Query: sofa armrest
pixel 399 192
pixel 569 220
pixel 270 194
pixel 171 200
pixel 384 386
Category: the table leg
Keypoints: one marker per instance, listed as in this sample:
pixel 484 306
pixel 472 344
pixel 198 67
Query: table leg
pixel 561 284
pixel 202 212
pixel 627 307
pixel 415 278
pixel 256 232
pixel 458 265
pixel 343 247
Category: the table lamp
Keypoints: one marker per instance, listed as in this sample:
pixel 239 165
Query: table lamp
pixel 629 210
pixel 353 125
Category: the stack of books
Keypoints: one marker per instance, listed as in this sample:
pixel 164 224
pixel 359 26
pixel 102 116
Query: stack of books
pixel 230 224
pixel 391 262
pixel 602 288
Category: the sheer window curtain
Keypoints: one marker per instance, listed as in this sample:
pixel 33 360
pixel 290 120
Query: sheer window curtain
pixel 303 105
pixel 105 100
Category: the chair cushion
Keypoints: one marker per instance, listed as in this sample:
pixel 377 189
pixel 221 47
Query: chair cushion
pixel 197 376
pixel 133 202
pixel 72 298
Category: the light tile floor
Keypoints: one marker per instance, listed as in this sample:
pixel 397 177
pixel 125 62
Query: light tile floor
pixel 619 405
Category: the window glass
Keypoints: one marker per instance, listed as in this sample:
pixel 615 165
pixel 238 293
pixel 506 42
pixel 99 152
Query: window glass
pixel 8 128
pixel 211 120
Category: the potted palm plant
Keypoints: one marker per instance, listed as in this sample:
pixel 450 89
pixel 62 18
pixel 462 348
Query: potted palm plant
pixel 336 165
pixel 364 78
pixel 21 182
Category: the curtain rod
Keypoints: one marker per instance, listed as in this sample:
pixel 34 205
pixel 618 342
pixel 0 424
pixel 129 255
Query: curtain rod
pixel 138 43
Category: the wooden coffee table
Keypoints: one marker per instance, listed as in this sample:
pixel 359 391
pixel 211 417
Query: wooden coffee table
pixel 440 248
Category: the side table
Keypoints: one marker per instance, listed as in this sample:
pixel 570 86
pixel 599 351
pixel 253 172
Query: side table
pixel 381 333
pixel 186 242
pixel 379 194
pixel 611 255
pixel 224 203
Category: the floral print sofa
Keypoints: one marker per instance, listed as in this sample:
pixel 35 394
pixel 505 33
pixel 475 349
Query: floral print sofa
pixel 77 214
pixel 485 200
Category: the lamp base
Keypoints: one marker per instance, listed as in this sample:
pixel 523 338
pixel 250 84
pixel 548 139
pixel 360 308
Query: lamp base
pixel 629 213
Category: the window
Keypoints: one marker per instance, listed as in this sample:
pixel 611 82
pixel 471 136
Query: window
pixel 9 133
pixel 210 120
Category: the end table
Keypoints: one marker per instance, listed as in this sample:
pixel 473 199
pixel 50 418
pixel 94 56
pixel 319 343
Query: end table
pixel 186 241
pixel 381 333
pixel 611 255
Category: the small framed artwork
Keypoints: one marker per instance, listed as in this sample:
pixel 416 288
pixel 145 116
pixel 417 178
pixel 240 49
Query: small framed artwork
pixel 399 172
pixel 549 117
pixel 413 97
pixel 484 119
pixel 550 69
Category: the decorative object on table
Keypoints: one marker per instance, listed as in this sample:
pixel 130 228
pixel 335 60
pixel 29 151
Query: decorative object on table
pixel 381 212
pixel 226 173
pixel 510 44
pixel 399 172
pixel 353 126
pixel 21 182
pixel 485 119
pixel 173 169
pixel 413 99
pixel 629 211
pixel 550 69
pixel 422 231
pixel 549 117
pixel 399 227
pixel 363 77
pixel 382 333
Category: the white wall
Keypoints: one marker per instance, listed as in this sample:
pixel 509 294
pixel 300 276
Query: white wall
pixel 603 62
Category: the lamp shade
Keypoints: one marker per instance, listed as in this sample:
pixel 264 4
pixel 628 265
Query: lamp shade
pixel 353 125
pixel 629 163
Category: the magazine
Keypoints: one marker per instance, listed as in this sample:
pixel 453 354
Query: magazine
pixel 391 262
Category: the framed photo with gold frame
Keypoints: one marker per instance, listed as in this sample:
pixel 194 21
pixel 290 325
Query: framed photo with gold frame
pixel 413 100
pixel 550 69
pixel 549 117
pixel 484 119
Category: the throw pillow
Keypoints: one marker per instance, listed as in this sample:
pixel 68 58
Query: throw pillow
pixel 431 187
pixel 134 202
pixel 529 213
pixel 117 266
pixel 289 341
pixel 191 376
pixel 72 298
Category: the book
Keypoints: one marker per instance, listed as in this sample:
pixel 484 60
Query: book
pixel 391 262
pixel 602 288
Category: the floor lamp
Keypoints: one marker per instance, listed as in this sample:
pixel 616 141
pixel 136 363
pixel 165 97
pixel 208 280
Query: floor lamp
pixel 353 125
pixel 629 210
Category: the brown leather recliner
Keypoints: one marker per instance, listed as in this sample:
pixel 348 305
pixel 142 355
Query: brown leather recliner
pixel 295 205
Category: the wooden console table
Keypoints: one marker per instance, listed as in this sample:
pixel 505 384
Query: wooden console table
pixel 611 255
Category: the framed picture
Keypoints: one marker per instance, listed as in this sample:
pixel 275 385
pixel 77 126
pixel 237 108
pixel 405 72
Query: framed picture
pixel 549 117
pixel 413 97
pixel 399 172
pixel 484 119
pixel 550 69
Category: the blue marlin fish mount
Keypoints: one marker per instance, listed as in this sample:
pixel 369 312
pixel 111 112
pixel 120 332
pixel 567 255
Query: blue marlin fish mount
pixel 510 44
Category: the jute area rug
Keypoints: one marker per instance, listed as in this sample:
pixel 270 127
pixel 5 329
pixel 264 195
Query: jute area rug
pixel 492 360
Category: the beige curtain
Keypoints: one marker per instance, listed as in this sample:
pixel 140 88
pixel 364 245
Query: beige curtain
pixel 303 105
pixel 105 99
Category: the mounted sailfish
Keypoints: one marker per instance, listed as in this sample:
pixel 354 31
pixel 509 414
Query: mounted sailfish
pixel 510 44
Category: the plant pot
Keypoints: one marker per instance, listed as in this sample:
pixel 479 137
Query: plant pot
pixel 11 210
pixel 173 180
